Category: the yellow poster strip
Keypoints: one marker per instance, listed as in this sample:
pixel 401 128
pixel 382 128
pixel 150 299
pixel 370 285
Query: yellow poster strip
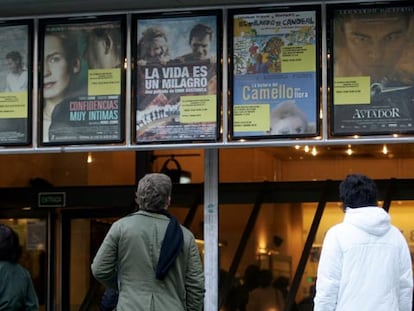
pixel 13 105
pixel 104 81
pixel 199 108
pixel 298 58
pixel 251 118
pixel 352 90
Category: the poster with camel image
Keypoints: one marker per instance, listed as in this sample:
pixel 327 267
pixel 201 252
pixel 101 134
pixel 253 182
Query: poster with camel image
pixel 275 79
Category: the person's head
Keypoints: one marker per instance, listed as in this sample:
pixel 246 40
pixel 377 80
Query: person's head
pixel 265 278
pixel 61 62
pixel 104 48
pixel 10 249
pixel 153 46
pixel 251 276
pixel 199 40
pixel 374 42
pixel 281 282
pixel 154 192
pixel 14 61
pixel 357 190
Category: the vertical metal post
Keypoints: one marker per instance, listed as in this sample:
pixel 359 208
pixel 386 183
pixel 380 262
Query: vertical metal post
pixel 65 236
pixel 211 229
pixel 51 262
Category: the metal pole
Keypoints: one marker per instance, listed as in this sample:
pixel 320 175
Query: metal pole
pixel 211 229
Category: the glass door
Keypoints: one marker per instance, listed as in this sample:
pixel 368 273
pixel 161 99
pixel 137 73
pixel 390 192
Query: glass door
pixel 83 231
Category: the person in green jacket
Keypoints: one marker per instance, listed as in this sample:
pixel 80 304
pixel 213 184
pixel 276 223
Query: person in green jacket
pixel 149 257
pixel 16 286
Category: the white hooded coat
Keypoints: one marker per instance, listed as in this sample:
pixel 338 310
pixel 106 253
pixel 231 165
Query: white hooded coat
pixel 365 264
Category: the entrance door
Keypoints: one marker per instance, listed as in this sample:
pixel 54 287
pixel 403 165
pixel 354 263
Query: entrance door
pixel 83 231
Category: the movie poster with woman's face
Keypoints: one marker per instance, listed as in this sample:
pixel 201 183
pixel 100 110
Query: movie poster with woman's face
pixel 274 74
pixel 15 83
pixel 177 78
pixel 371 69
pixel 82 81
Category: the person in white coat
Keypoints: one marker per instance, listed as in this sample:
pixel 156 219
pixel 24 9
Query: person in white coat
pixel 365 262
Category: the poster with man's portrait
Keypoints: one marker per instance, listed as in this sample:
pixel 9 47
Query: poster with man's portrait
pixel 82 81
pixel 15 83
pixel 176 76
pixel 371 68
pixel 274 73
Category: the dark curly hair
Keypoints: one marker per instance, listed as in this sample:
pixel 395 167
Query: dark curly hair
pixel 357 190
pixel 10 249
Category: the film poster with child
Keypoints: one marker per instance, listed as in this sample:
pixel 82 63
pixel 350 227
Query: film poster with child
pixel 275 81
pixel 15 84
pixel 82 82
pixel 176 98
pixel 372 69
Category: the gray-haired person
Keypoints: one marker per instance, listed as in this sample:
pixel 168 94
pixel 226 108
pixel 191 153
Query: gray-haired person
pixel 150 256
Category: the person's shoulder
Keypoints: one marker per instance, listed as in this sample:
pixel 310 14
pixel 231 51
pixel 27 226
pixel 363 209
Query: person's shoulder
pixel 61 110
pixel 187 233
pixel 133 217
pixel 13 268
pixel 396 231
pixel 179 60
pixel 337 230
pixel 337 227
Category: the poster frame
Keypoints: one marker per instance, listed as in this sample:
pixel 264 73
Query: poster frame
pixel 118 108
pixel 26 132
pixel 138 21
pixel 335 122
pixel 314 129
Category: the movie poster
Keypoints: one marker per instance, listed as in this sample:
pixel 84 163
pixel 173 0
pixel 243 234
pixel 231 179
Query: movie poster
pixel 82 82
pixel 15 84
pixel 275 80
pixel 177 78
pixel 372 69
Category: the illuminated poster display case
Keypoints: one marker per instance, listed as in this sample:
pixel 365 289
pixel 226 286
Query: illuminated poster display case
pixel 371 68
pixel 177 76
pixel 274 74
pixel 16 82
pixel 82 80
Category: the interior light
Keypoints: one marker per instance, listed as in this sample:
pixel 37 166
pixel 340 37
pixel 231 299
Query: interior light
pixel 176 173
pixel 89 159
pixel 384 149
pixel 306 148
pixel 314 151
pixel 349 150
pixel 185 177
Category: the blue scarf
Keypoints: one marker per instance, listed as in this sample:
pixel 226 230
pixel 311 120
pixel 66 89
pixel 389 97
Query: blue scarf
pixel 171 245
